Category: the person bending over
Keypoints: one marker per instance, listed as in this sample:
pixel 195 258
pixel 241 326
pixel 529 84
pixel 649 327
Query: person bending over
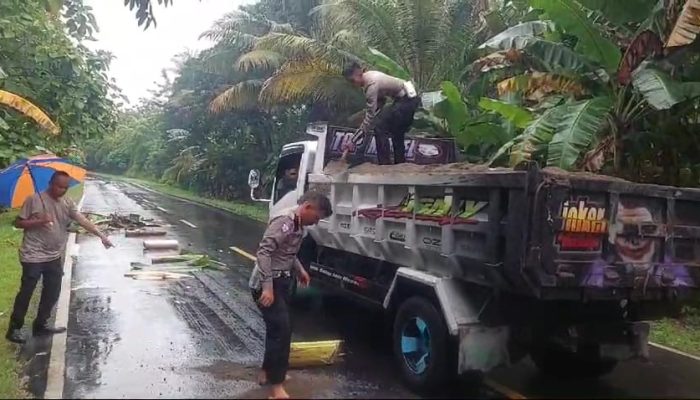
pixel 391 121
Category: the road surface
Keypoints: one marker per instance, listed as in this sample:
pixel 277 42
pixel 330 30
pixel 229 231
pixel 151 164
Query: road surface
pixel 202 336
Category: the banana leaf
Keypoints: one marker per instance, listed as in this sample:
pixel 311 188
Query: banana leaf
pixel 573 19
pixel 660 90
pixel 579 124
pixel 687 25
pixel 30 110
pixel 510 37
pixel 536 137
pixel 513 113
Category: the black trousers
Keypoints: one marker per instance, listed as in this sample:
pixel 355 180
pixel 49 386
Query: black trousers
pixel 52 273
pixel 393 122
pixel 278 331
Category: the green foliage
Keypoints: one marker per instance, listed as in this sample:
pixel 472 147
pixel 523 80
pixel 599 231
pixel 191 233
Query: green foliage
pixel 572 18
pixel 660 90
pixel 452 109
pixel 621 12
pixel 512 37
pixel 512 113
pixel 68 81
pixel 578 127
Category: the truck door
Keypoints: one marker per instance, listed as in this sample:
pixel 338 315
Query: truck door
pixel 289 180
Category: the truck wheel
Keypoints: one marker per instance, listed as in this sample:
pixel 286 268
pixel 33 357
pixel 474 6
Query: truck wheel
pixel 420 342
pixel 565 364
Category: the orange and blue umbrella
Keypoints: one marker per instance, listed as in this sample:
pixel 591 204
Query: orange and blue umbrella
pixel 31 175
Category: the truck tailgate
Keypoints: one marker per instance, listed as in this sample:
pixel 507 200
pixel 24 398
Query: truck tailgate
pixel 615 238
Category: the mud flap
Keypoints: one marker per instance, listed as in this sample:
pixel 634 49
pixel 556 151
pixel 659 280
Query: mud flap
pixel 635 345
pixel 640 344
pixel 482 348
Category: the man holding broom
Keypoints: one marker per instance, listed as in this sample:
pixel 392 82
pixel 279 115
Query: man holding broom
pixel 271 283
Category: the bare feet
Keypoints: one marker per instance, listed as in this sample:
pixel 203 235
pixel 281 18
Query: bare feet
pixel 278 392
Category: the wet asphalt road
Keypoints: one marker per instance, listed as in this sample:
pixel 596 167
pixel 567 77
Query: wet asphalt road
pixel 202 336
pixel 193 337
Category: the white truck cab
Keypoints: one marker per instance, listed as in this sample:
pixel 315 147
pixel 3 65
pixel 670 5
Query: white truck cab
pixel 285 193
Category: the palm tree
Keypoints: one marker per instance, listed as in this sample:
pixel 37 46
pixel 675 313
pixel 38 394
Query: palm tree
pixel 423 40
pixel 273 63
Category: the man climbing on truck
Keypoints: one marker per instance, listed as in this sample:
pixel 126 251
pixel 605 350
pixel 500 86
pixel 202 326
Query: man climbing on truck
pixel 392 121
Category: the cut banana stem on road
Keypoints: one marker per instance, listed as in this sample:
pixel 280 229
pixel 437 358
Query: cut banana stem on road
pixel 155 275
pixel 144 232
pixel 315 354
pixel 169 259
pixel 164 244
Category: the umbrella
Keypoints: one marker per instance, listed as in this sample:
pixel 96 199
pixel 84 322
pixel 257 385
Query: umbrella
pixel 31 175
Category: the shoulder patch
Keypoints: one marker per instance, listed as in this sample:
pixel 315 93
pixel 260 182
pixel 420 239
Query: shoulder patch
pixel 286 228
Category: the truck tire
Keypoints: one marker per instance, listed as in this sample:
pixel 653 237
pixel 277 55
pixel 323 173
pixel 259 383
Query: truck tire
pixel 564 364
pixel 420 342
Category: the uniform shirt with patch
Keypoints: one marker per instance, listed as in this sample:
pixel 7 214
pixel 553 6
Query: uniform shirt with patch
pixel 378 87
pixel 46 243
pixel 277 251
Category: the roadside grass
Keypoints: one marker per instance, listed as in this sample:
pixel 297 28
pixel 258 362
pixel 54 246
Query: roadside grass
pixel 682 334
pixel 11 383
pixel 256 212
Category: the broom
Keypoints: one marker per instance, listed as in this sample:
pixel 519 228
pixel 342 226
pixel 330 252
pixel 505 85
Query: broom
pixel 307 354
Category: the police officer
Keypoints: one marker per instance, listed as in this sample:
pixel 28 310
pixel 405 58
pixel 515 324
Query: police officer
pixel 392 121
pixel 271 282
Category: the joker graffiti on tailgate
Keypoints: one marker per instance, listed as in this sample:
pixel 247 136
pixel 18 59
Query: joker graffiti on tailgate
pixel 636 260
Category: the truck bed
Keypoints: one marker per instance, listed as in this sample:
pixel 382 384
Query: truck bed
pixel 545 233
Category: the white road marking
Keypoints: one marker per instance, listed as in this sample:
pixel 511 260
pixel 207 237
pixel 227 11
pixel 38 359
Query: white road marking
pixel 162 209
pixel 672 350
pixel 56 372
pixel 191 225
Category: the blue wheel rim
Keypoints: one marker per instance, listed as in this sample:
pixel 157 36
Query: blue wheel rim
pixel 415 345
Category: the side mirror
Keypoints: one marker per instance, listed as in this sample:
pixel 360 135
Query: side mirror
pixel 254 183
pixel 254 178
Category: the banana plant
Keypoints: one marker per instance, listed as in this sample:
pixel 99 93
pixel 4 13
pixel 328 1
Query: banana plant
pixel 480 127
pixel 587 94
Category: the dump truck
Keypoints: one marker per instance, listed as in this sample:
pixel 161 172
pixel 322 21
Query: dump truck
pixel 479 267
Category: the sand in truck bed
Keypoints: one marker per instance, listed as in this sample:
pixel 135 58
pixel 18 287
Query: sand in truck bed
pixel 337 167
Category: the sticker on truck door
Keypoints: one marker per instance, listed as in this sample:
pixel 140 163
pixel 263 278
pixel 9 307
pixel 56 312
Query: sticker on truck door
pixel 583 224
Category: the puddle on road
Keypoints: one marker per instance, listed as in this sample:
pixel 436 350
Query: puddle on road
pixel 301 384
pixel 226 370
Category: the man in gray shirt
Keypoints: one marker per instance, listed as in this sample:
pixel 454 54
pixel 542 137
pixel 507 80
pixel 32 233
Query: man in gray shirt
pixel 45 218
pixel 393 121
pixel 270 283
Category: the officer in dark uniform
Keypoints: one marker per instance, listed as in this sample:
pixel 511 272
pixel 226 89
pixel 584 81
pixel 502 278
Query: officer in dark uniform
pixel 271 282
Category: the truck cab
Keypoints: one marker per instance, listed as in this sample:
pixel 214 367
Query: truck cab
pixel 290 177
